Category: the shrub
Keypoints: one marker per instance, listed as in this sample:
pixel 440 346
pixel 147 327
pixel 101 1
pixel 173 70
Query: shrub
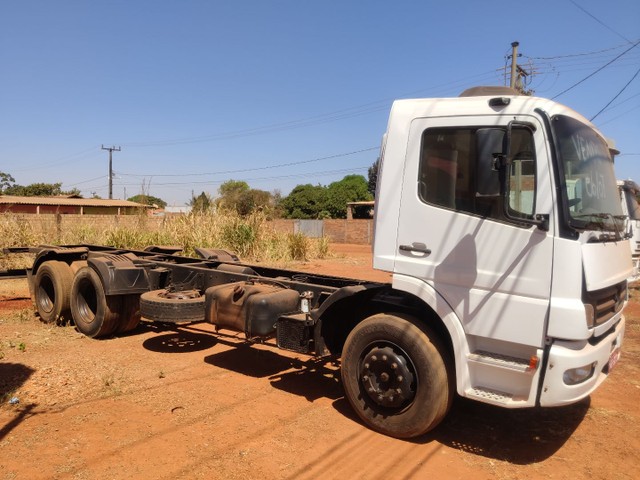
pixel 250 237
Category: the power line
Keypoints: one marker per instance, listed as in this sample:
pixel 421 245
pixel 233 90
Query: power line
pixel 600 124
pixel 583 54
pixel 86 181
pixel 617 95
pixel 338 155
pixel 370 107
pixel 598 70
pixel 293 175
pixel 601 22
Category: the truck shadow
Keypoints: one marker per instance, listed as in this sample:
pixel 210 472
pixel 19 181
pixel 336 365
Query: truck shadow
pixel 12 377
pixel 519 436
pixel 176 340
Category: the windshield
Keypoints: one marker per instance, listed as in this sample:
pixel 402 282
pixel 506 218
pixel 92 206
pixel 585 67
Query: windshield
pixel 591 189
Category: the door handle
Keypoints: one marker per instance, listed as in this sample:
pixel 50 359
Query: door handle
pixel 418 248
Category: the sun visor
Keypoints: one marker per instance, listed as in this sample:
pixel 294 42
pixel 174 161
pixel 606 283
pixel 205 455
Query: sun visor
pixel 606 264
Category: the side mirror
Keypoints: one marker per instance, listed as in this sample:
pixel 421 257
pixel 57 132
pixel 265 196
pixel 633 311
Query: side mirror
pixel 491 149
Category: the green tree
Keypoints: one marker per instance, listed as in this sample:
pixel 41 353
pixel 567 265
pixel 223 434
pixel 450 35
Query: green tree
pixel 203 203
pixel 234 196
pixel 6 181
pixel 373 177
pixel 238 196
pixel 352 188
pixel 39 190
pixel 148 200
pixel 305 201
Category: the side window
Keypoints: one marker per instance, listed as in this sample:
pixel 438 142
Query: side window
pixel 445 173
pixel 522 174
pixel 450 173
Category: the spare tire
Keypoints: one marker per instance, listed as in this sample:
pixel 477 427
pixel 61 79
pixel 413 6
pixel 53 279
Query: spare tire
pixel 52 289
pixel 172 307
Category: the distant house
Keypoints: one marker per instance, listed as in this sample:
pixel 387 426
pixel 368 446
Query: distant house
pixel 72 204
pixel 360 209
pixel 184 209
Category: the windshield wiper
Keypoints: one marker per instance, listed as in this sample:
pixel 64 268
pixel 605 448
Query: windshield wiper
pixel 601 225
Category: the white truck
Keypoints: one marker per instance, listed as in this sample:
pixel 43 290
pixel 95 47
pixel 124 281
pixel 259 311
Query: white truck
pixel 498 216
pixel 629 191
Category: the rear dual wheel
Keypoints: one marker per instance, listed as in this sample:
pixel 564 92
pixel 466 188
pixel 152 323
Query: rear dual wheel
pixel 96 314
pixel 52 289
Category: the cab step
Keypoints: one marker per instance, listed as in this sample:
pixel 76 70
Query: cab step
pixel 501 361
pixel 495 397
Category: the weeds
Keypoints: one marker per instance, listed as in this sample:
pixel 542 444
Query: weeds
pixel 298 245
pixel 251 237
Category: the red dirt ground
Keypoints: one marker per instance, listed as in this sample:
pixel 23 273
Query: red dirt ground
pixel 183 404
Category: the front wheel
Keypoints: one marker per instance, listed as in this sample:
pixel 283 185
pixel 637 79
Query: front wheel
pixel 395 375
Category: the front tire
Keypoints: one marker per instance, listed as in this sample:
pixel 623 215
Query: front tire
pixel 395 375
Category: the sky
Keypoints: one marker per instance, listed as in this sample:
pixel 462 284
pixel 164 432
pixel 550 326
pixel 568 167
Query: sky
pixel 284 92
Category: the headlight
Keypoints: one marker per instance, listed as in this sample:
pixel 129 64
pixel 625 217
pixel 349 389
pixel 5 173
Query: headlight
pixel 579 375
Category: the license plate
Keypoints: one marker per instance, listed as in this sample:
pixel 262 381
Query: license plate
pixel 613 358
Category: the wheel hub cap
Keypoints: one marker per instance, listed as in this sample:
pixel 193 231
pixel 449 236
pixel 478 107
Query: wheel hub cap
pixel 386 377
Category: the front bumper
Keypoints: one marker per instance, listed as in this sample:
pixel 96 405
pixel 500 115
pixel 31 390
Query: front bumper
pixel 567 355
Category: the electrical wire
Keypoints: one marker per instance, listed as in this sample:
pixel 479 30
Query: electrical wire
pixel 370 107
pixel 243 170
pixel 293 175
pixel 598 70
pixel 617 95
pixel 601 22
pixel 572 55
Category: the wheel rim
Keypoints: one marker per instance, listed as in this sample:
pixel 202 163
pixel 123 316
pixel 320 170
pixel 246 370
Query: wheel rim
pixel 46 294
pixel 387 376
pixel 181 295
pixel 87 301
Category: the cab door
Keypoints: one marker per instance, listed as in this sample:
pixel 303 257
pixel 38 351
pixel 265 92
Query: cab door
pixel 455 234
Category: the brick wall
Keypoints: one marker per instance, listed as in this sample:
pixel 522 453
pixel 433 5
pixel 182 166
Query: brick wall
pixel 349 231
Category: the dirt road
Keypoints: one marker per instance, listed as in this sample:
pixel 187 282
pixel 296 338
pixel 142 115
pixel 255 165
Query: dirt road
pixel 183 404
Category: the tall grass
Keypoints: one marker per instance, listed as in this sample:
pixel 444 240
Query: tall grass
pixel 251 238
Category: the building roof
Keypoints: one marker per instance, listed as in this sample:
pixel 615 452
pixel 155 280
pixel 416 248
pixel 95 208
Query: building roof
pixel 66 201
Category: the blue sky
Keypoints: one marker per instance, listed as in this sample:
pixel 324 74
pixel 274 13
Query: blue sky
pixel 278 93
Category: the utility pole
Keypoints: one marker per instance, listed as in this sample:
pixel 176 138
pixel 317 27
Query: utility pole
pixel 111 150
pixel 514 64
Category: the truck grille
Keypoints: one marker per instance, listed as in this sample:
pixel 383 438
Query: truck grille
pixel 606 302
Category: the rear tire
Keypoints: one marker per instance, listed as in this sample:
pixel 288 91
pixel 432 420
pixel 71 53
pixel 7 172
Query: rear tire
pixel 395 375
pixel 130 316
pixel 52 290
pixel 94 314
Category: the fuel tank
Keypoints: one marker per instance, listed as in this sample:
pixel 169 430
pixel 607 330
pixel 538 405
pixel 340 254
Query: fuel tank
pixel 249 307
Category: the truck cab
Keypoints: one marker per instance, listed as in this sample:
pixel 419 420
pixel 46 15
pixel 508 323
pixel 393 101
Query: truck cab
pixel 500 212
